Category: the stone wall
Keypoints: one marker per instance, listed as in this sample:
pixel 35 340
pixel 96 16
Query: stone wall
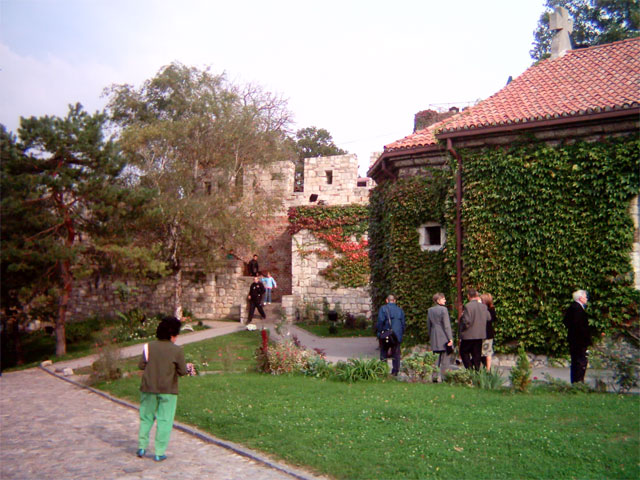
pixel 206 295
pixel 211 295
pixel 309 286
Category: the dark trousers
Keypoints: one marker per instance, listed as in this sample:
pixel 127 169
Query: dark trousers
pixel 471 353
pixel 578 364
pixel 394 353
pixel 252 308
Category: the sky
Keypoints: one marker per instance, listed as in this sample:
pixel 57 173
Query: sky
pixel 360 69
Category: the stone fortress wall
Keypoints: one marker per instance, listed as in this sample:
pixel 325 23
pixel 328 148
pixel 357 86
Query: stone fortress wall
pixel 213 295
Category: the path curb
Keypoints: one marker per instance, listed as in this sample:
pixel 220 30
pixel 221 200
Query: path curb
pixel 194 432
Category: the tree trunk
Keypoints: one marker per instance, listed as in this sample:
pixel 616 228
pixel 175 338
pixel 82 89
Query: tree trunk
pixel 63 303
pixel 177 293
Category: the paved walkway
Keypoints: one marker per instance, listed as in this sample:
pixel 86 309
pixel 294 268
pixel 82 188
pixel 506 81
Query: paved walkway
pixel 52 429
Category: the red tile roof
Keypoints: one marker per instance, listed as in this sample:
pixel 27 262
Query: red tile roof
pixel 601 78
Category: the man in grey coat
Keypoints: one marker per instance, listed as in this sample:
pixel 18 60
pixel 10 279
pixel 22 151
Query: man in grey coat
pixel 473 329
pixel 440 335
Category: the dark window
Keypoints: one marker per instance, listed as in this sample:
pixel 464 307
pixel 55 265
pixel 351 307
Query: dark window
pixel 433 236
pixel 313 197
pixel 362 183
pixel 329 177
pixel 207 188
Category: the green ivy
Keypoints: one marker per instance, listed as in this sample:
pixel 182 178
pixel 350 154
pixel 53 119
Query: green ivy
pixel 337 226
pixel 398 265
pixel 541 222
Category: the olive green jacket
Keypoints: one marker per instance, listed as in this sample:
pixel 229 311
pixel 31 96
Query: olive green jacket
pixel 162 368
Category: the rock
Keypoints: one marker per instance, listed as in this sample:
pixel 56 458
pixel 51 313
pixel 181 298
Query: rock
pixel 67 372
pixel 46 363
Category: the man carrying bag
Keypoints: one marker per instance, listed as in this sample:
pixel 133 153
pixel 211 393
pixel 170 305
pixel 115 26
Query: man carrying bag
pixel 390 329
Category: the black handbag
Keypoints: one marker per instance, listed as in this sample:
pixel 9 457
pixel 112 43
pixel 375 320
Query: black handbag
pixel 388 339
pixel 449 349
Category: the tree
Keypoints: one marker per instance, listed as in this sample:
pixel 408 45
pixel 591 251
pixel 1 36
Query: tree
pixel 312 142
pixel 65 207
pixel 198 139
pixel 594 22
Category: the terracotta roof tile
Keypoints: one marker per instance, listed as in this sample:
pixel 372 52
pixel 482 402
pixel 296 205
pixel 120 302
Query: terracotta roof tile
pixel 595 79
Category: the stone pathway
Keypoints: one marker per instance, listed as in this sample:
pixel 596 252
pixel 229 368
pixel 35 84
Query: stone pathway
pixel 52 429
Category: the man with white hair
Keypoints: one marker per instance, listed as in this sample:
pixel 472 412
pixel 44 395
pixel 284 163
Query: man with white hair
pixel 578 334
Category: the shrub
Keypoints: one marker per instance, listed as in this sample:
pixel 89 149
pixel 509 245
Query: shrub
pixel 521 372
pixel 318 367
pixel 106 366
pixel 461 376
pixel 623 359
pixel 420 367
pixel 135 325
pixel 84 330
pixel 354 370
pixel 487 379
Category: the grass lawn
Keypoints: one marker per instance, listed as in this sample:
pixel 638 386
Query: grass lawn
pixel 393 430
pixel 322 330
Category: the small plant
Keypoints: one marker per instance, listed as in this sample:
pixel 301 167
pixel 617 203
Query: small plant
pixel 333 329
pixel 318 367
pixel 356 369
pixel 487 379
pixel 420 367
pixel 350 321
pixel 521 373
pixel 461 376
pixel 106 367
pixel 620 357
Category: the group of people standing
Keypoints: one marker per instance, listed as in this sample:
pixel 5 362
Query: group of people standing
pixel 476 330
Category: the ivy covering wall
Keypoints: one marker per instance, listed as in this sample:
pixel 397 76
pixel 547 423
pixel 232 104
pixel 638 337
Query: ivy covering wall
pixel 541 222
pixel 343 229
pixel 398 265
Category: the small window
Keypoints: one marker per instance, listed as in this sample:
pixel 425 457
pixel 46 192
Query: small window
pixel 207 188
pixel 313 197
pixel 329 177
pixel 362 183
pixel 432 236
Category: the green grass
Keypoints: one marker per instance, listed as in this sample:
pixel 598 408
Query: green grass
pixel 322 330
pixel 398 430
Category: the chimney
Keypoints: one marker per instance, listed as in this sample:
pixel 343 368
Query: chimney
pixel 426 118
pixel 562 24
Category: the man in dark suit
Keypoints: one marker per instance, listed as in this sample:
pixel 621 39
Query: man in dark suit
pixel 578 334
pixel 473 329
pixel 256 291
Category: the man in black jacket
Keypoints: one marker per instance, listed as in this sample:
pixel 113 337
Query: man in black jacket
pixel 578 335
pixel 254 268
pixel 256 291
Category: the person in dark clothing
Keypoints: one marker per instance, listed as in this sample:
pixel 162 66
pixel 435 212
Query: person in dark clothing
pixel 578 335
pixel 254 268
pixel 391 316
pixel 473 329
pixel 256 291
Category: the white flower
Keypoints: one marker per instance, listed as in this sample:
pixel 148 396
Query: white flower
pixel 251 327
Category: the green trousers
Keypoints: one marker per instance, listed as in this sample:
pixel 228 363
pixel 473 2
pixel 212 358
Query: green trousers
pixel 162 408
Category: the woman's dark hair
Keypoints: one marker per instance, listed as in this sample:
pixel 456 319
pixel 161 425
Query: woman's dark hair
pixel 169 327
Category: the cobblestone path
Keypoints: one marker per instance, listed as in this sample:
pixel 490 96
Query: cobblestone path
pixel 52 429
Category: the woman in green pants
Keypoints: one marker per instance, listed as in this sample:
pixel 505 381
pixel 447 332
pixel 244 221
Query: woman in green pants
pixel 162 362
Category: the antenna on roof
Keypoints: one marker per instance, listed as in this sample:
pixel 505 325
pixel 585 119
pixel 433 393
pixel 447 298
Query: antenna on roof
pixel 562 23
